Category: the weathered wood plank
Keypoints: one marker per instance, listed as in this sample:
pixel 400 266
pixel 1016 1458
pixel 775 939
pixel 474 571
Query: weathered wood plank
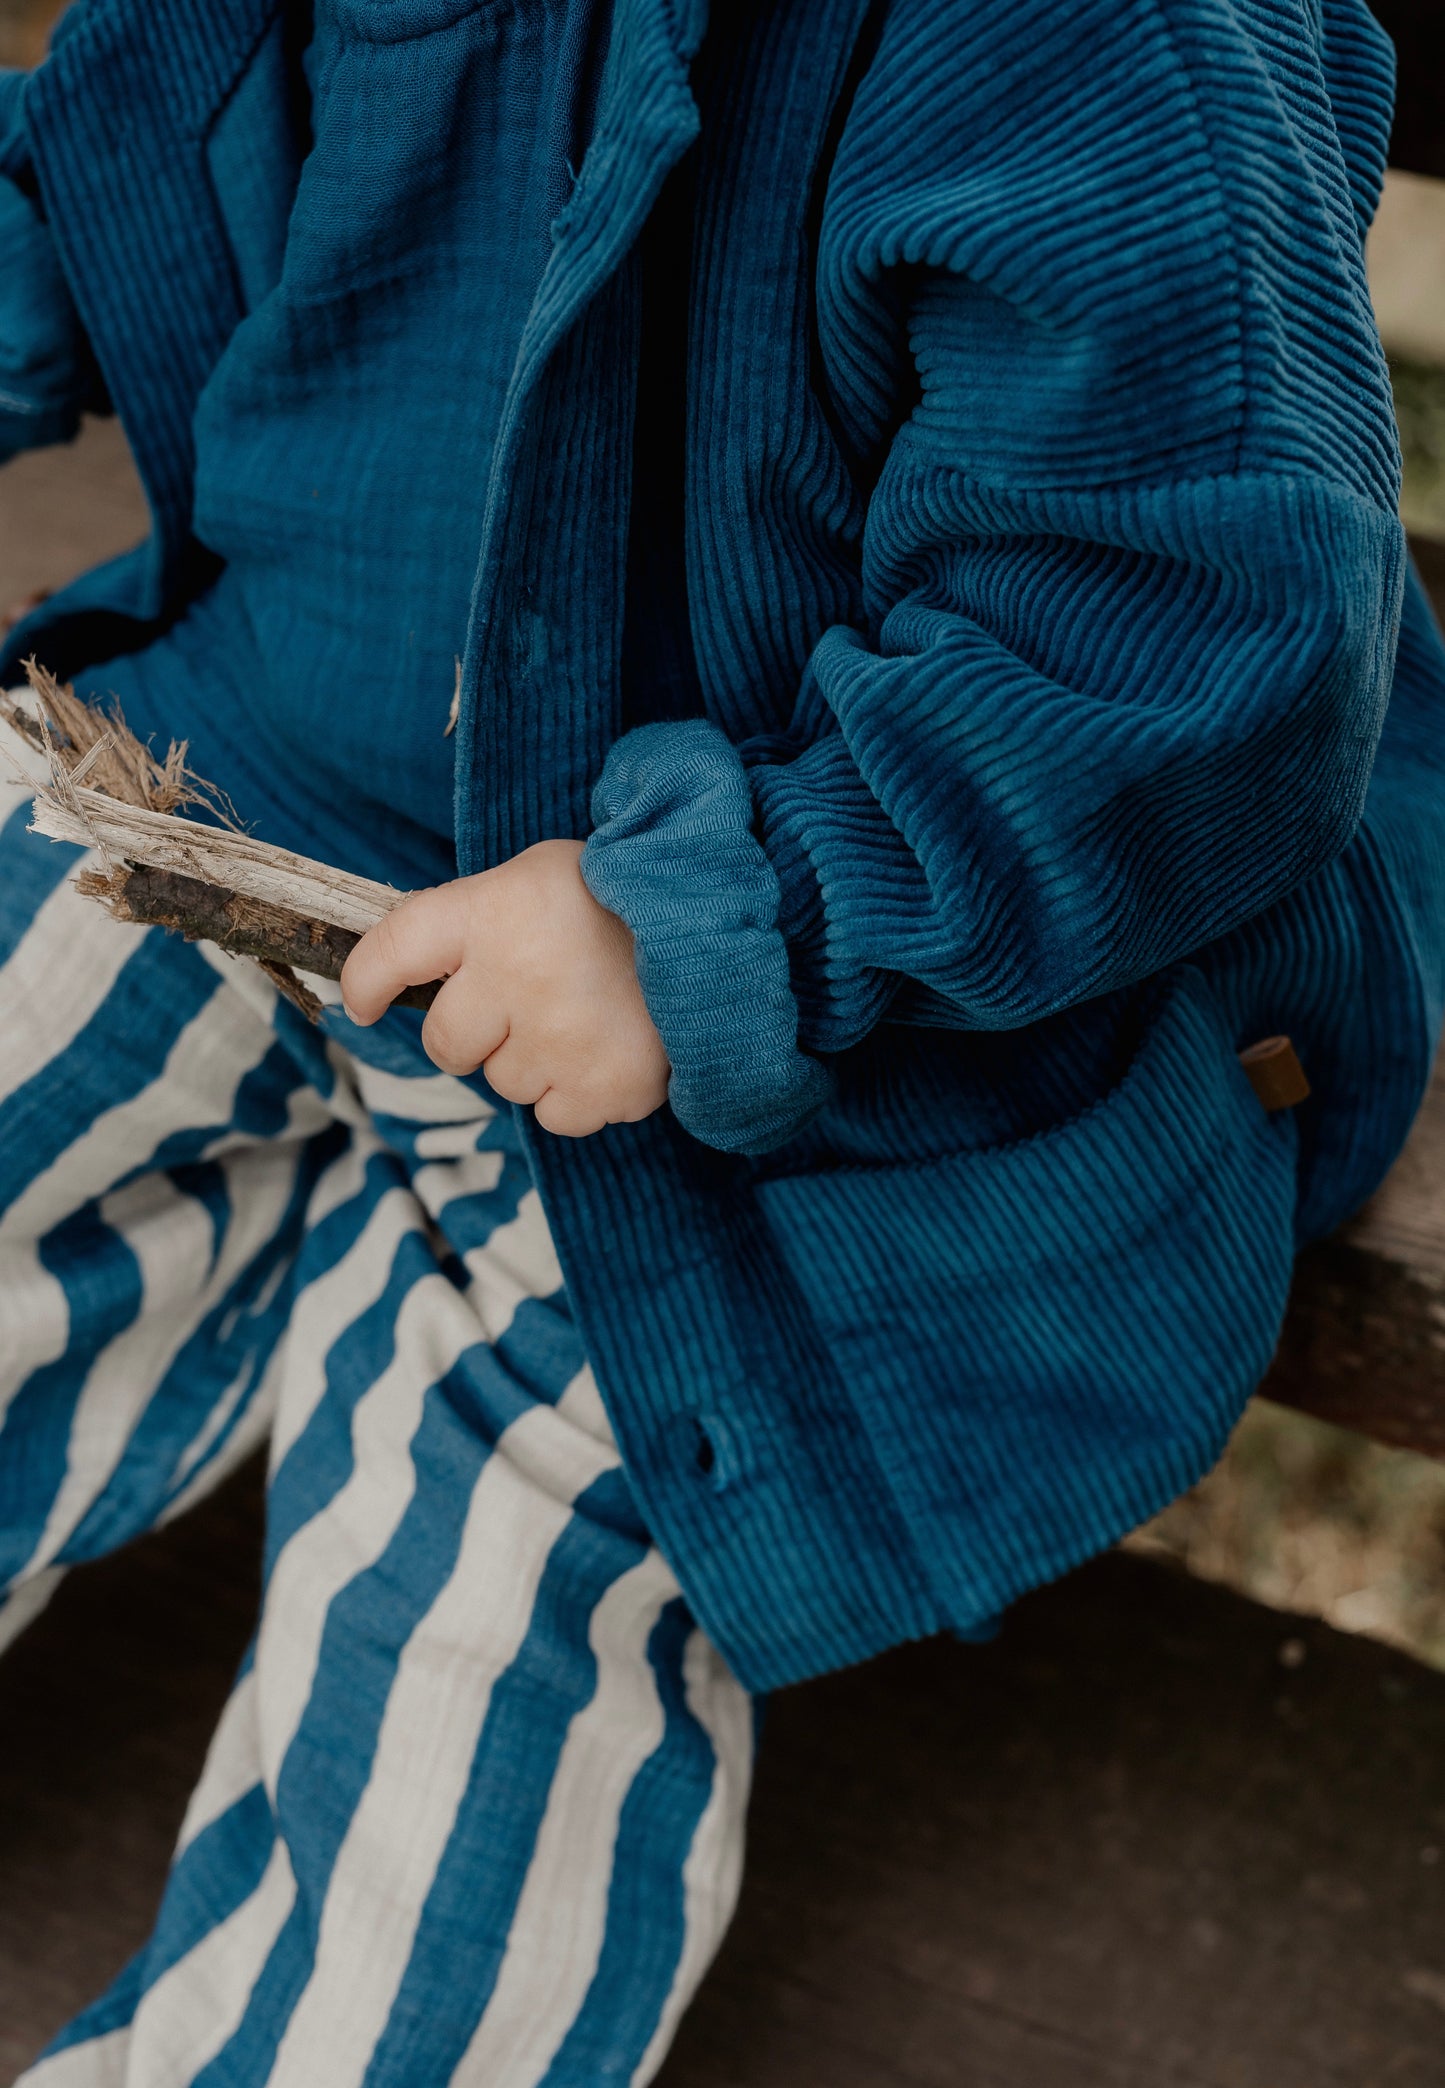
pixel 1364 1343
pixel 1123 1847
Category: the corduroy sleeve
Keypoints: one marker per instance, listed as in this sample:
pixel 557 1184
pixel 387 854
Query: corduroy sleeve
pixel 46 372
pixel 1090 290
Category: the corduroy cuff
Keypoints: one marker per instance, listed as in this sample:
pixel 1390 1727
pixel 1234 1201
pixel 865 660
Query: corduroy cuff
pixel 674 855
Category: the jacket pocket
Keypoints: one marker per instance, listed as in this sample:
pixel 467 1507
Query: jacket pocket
pixel 1049 1339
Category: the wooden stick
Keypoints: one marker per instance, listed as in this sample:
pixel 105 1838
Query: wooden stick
pixel 275 936
pixel 105 791
pixel 234 863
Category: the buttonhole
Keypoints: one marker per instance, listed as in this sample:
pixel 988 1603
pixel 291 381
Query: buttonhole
pixel 708 1448
pixel 704 1455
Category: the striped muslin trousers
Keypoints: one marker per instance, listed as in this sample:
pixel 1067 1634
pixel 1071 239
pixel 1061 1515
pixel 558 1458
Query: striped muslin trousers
pixel 474 1811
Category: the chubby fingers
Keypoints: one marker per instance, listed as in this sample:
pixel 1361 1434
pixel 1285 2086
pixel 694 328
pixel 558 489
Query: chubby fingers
pixel 465 1024
pixel 419 940
pixel 569 1116
pixel 514 1072
pixel 578 1103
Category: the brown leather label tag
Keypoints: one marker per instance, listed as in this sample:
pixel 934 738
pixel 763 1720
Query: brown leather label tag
pixel 1275 1072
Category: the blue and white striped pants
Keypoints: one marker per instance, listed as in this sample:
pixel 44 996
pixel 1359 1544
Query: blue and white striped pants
pixel 474 1812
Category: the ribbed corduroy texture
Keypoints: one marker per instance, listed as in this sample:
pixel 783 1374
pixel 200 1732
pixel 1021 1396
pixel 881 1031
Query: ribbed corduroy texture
pixel 1044 586
pixel 537 717
pixel 1121 583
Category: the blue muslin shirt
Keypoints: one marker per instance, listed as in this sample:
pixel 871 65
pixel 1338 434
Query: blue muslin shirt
pixel 344 437
pixel 920 487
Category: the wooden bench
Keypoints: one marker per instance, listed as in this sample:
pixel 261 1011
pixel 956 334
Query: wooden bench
pixel 1364 1342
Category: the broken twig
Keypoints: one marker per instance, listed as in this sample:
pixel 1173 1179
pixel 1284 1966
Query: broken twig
pixel 202 912
pixel 105 790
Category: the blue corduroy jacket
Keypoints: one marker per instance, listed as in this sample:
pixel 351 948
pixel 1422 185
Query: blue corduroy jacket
pixel 1046 596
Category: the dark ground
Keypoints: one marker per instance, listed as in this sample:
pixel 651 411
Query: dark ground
pixel 1138 1843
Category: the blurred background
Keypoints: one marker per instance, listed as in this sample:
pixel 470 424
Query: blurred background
pixel 1299 1515
pixel 1154 1835
pixel 23 29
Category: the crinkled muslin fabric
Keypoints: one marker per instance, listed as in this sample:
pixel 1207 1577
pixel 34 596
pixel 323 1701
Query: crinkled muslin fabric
pixel 1050 713
pixel 474 1810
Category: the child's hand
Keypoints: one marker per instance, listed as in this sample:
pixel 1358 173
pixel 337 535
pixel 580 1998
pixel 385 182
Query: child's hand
pixel 541 990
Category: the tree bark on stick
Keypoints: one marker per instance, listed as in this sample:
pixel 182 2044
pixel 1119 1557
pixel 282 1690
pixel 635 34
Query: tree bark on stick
pixel 209 882
pixel 272 936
